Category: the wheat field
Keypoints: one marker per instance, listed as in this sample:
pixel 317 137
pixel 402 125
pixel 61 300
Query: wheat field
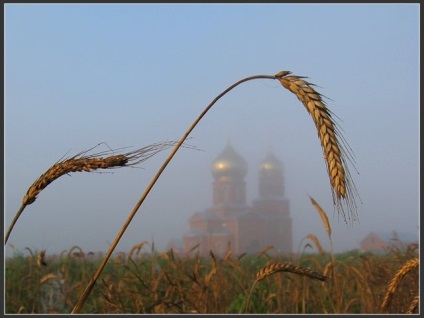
pixel 143 280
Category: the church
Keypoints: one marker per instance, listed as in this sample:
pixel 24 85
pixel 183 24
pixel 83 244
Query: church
pixel 230 223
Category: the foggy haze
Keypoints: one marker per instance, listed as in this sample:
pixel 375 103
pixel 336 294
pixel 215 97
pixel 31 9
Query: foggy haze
pixel 133 75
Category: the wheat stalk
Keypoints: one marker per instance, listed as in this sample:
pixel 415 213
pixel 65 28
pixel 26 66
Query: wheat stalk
pixel 213 270
pixel 137 248
pixel 335 153
pixel 41 259
pixel 394 283
pixel 21 310
pixel 73 248
pixel 323 216
pixel 46 278
pixel 264 251
pixel 84 162
pixel 327 227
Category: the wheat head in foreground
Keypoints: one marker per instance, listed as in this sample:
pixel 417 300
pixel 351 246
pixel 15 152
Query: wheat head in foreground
pixel 83 162
pixel 335 153
pixel 394 283
pixel 283 267
pixel 286 267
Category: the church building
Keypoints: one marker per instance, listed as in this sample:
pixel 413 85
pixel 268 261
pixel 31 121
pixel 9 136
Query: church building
pixel 230 223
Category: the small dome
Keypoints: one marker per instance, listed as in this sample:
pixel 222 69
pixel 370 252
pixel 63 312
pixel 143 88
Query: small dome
pixel 229 163
pixel 271 164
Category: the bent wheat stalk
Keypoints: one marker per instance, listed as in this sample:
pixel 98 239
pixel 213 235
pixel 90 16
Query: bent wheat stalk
pixel 83 162
pixel 327 226
pixel 342 185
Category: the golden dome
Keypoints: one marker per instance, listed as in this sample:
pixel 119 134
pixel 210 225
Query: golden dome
pixel 271 164
pixel 229 163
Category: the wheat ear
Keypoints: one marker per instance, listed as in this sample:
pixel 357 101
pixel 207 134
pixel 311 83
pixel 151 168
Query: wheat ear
pixel 137 248
pixel 83 162
pixel 413 305
pixel 283 267
pixel 323 216
pixel 394 283
pixel 314 239
pixel 327 226
pixel 287 267
pixel 335 153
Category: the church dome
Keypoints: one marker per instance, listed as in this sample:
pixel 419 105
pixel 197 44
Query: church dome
pixel 271 164
pixel 229 163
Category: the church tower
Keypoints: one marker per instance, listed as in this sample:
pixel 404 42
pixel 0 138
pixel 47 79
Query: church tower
pixel 271 183
pixel 229 199
pixel 273 205
pixel 229 187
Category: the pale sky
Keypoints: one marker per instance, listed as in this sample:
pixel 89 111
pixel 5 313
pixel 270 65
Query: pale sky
pixel 131 75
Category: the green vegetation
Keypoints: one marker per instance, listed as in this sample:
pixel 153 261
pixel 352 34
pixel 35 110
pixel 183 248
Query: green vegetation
pixel 153 282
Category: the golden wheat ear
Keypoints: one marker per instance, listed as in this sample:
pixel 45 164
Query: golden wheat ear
pixel 394 283
pixel 335 148
pixel 83 162
pixel 287 267
pixel 283 267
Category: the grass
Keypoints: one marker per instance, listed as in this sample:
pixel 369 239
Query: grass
pixel 151 282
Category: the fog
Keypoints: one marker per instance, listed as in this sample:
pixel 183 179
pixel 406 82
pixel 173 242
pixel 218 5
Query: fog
pixel 133 75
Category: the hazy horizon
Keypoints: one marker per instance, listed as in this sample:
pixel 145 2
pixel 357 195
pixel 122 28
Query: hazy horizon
pixel 133 75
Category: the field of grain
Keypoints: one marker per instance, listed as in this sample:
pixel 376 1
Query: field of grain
pixel 146 281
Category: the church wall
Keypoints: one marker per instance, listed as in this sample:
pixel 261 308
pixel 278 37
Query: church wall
pixel 232 227
pixel 287 240
pixel 280 234
pixel 280 207
pixel 228 190
pixel 199 224
pixel 251 235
